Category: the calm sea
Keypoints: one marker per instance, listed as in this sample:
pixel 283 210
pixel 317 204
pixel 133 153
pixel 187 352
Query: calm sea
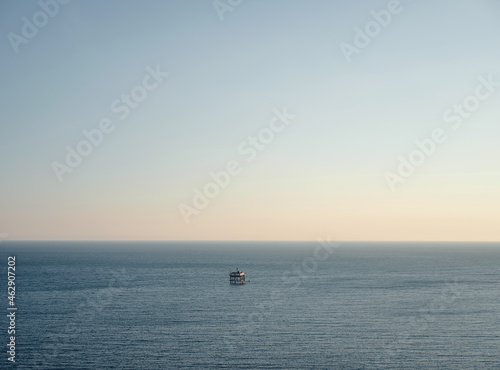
pixel 143 305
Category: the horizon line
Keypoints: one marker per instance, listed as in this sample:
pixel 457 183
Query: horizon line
pixel 247 240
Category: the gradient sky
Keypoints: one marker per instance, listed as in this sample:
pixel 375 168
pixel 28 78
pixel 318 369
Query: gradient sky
pixel 323 175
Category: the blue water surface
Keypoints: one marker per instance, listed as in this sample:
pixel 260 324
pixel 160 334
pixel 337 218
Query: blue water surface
pixel 168 305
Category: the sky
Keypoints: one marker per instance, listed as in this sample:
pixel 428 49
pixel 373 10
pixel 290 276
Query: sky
pixel 182 87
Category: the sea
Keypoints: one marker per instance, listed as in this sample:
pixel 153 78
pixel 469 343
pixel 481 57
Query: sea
pixel 306 305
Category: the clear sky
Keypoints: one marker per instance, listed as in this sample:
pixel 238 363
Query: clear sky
pixel 324 174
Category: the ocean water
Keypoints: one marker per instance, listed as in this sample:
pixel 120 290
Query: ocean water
pixel 168 305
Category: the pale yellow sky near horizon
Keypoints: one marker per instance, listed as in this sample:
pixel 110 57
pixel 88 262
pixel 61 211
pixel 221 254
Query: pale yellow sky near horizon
pixel 427 213
pixel 183 90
